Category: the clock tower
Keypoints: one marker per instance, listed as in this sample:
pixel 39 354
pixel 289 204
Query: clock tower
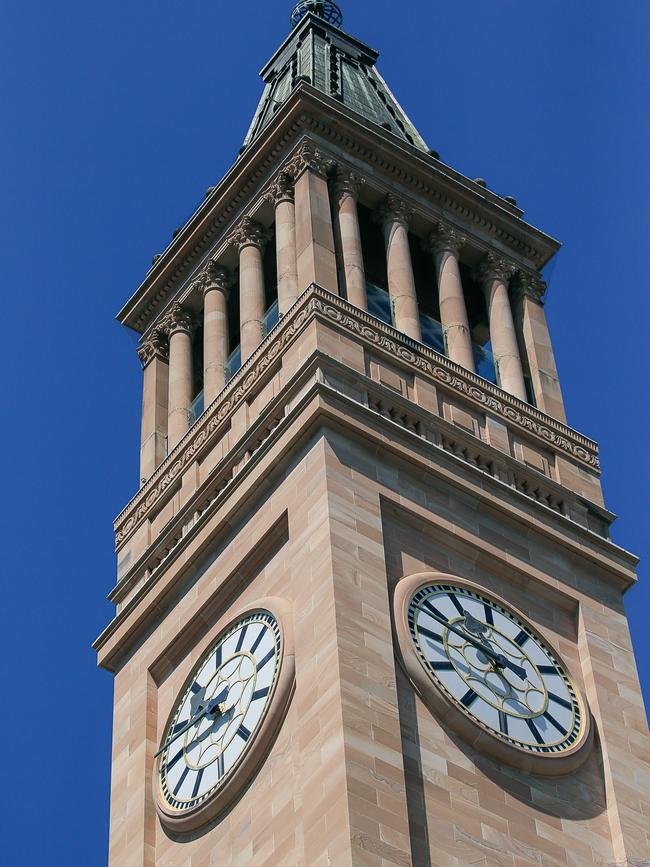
pixel 367 608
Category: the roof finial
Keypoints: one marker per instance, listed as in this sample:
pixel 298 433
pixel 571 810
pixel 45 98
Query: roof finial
pixel 323 8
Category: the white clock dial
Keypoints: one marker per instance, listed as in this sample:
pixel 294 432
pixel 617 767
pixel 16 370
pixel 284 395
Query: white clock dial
pixel 495 669
pixel 220 711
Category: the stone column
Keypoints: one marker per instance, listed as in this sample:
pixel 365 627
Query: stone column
pixel 250 238
pixel 346 192
pixel 215 284
pixel 315 252
pixel 179 325
pixel 395 215
pixel 535 344
pixel 495 274
pixel 154 355
pixel 445 243
pixel 282 197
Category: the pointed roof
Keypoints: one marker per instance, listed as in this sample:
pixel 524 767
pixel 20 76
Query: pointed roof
pixel 336 64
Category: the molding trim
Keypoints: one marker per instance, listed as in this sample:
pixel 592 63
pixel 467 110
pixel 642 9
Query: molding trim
pixel 317 302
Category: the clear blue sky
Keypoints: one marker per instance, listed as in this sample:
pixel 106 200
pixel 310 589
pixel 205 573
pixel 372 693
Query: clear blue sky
pixel 117 116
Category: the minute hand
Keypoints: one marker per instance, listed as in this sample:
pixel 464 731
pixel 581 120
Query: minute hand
pixel 501 660
pixel 210 708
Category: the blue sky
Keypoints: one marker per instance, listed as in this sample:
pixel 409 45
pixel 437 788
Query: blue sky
pixel 117 117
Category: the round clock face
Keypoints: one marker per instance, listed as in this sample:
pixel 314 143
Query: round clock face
pixel 219 713
pixel 495 670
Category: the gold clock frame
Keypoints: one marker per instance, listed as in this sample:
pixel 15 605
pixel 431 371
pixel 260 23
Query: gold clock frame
pixel 249 761
pixel 470 728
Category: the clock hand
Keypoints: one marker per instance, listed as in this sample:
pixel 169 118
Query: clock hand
pixel 215 707
pixel 479 628
pixel 498 658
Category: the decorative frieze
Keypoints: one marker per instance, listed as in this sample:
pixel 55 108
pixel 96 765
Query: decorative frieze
pixel 249 233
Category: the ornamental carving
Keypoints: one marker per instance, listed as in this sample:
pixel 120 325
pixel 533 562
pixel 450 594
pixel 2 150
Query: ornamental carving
pixel 347 183
pixel 444 238
pixel 249 233
pixel 308 157
pixel 529 284
pixel 493 267
pixel 213 276
pixel 155 346
pixel 394 210
pixel 176 319
pixel 281 190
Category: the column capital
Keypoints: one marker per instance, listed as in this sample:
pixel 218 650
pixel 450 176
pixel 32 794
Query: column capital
pixel 155 346
pixel 493 267
pixel 347 183
pixel 177 319
pixel 444 238
pixel 308 158
pixel 394 210
pixel 282 189
pixel 529 284
pixel 213 276
pixel 249 233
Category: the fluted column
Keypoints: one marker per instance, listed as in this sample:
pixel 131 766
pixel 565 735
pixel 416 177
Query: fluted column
pixel 445 243
pixel 250 238
pixel 282 197
pixel 214 282
pixel 179 325
pixel 395 216
pixel 495 274
pixel 346 191
pixel 535 343
pixel 154 355
pixel 315 252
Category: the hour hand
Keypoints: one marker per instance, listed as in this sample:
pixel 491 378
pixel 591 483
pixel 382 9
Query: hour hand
pixel 503 662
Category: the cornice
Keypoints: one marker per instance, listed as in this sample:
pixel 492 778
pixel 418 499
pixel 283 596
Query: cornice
pixel 317 302
pixel 308 110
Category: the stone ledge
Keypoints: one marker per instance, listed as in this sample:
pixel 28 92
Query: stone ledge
pixel 317 303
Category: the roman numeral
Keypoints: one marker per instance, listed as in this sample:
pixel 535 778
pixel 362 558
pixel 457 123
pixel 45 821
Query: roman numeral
pixel 561 701
pixel 469 698
pixel 218 656
pixel 503 722
pixel 179 726
pixel 429 634
pixel 260 693
pixel 258 639
pixel 554 722
pixel 547 669
pixel 181 781
pixel 535 731
pixel 221 770
pixel 262 662
pixel 243 732
pixel 197 783
pixel 522 638
pixel 489 617
pixel 442 666
pixel 195 688
pixel 459 608
pixel 242 635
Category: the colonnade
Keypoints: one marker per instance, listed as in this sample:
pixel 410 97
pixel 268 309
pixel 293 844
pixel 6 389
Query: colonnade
pixel 306 196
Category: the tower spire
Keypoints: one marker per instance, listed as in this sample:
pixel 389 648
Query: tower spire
pixel 322 8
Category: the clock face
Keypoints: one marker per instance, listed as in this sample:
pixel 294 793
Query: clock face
pixel 495 669
pixel 219 713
